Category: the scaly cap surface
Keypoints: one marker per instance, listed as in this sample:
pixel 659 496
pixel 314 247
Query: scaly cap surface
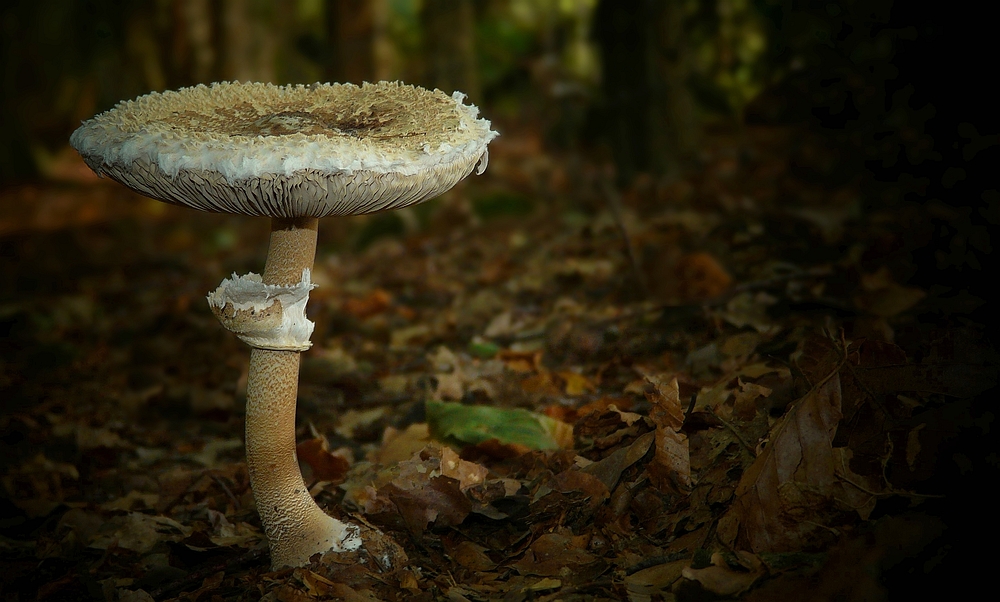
pixel 288 151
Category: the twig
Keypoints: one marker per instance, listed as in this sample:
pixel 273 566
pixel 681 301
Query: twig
pixel 732 428
pixel 229 494
pixel 615 203
pixel 690 408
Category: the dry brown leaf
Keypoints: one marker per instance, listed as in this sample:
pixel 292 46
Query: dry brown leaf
pixel 326 466
pixel 641 585
pixel 745 399
pixel 853 491
pixel 701 276
pixel 609 470
pixel 436 500
pixel 603 404
pixel 575 384
pixel 521 361
pixel 882 296
pixel 577 480
pixel 468 474
pixel 541 384
pixel 551 553
pixel 470 555
pixel 781 497
pixel 139 532
pixel 401 445
pixel 913 446
pixel 723 580
pixel 671 464
pixel 373 303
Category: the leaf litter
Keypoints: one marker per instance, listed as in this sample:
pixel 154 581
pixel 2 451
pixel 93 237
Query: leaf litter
pixel 527 410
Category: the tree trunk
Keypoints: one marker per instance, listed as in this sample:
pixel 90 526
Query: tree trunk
pixel 350 33
pixel 449 47
pixel 650 122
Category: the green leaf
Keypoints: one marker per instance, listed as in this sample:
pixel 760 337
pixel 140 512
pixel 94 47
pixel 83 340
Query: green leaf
pixel 483 349
pixel 458 424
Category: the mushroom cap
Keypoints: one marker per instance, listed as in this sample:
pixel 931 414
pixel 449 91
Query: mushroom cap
pixel 288 151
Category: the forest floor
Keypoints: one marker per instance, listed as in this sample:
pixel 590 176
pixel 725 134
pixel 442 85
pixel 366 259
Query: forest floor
pixel 749 384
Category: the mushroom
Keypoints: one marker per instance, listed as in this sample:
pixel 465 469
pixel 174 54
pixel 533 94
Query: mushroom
pixel 294 154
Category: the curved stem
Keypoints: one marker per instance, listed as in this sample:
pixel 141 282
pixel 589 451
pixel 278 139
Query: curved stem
pixel 295 526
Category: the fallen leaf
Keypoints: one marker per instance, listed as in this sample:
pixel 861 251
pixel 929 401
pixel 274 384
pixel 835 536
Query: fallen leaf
pixel 399 445
pixel 468 474
pixel 913 446
pixel 721 579
pixel 745 399
pixel 326 466
pixel 575 384
pixel 643 584
pixel 521 361
pixel 435 500
pixel 472 425
pixel 701 276
pixel 551 553
pixel 609 470
pixel 541 384
pixel 134 500
pixel 884 297
pixel 352 419
pixel 139 532
pixel 471 555
pixel 403 337
pixel 781 498
pixel 371 304
pixel 671 464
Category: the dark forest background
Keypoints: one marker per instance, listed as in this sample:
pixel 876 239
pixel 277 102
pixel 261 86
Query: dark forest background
pixel 851 144
pixel 900 95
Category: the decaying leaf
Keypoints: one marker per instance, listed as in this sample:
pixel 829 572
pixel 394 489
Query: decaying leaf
pixel 575 383
pixel 470 555
pixel 371 304
pixel 610 468
pixel 325 465
pixel 437 500
pixel 468 474
pixel 400 445
pixel 722 579
pixel 671 465
pixel 553 553
pixel 745 399
pixel 701 276
pixel 655 580
pixel 882 296
pixel 139 532
pixel 794 482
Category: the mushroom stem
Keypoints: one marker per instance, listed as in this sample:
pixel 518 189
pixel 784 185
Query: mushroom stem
pixel 295 526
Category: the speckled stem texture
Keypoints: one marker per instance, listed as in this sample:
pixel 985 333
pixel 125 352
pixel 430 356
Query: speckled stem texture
pixel 295 526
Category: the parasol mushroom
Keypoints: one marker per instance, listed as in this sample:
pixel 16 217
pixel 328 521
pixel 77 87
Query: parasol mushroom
pixel 294 154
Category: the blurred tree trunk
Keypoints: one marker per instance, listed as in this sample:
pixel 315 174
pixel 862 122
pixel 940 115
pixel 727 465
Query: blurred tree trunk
pixel 192 48
pixel 235 33
pixel 449 46
pixel 350 32
pixel 650 120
